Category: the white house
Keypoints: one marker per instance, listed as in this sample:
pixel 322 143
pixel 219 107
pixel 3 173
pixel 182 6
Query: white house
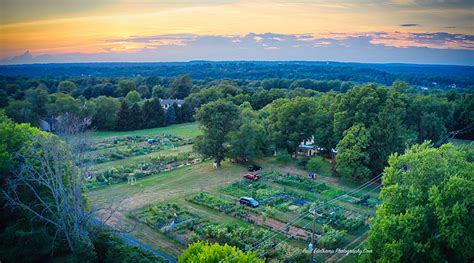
pixel 166 103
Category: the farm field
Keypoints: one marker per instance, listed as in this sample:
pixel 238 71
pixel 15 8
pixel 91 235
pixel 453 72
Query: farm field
pixel 190 200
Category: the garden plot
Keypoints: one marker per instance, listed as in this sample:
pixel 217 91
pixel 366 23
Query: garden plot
pixel 171 220
pixel 150 165
pixel 113 149
pixel 121 158
pixel 281 200
pixel 186 227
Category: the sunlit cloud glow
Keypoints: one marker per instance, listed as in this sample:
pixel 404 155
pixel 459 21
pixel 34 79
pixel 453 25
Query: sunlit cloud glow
pixel 103 30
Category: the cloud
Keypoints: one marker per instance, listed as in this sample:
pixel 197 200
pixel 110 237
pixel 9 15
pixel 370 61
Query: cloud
pixel 409 25
pixel 381 47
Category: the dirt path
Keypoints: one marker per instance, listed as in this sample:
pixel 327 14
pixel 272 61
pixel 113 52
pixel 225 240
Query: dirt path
pixel 280 227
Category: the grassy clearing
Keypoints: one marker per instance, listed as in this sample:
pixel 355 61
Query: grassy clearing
pixel 185 130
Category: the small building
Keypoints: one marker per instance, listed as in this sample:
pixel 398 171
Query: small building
pixel 307 150
pixel 166 103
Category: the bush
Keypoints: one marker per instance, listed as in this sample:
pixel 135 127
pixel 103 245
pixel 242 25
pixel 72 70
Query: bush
pixel 331 237
pixel 205 252
pixel 314 164
pixel 302 161
pixel 283 158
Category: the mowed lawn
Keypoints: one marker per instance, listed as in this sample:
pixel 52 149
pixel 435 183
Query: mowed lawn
pixel 185 130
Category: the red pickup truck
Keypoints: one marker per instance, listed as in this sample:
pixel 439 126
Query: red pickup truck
pixel 252 176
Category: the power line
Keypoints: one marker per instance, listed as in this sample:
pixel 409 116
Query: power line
pixel 302 216
pixel 304 226
pixel 358 189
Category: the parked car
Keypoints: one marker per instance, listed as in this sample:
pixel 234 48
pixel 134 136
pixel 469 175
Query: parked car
pixel 254 167
pixel 248 201
pixel 252 176
pixel 152 141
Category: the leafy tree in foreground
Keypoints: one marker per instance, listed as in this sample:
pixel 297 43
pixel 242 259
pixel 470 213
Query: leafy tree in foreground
pixel 216 119
pixel 213 253
pixel 352 158
pixel 427 212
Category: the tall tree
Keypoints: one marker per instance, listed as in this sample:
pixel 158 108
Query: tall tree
pixel 135 117
pixel 153 114
pixel 352 160
pixel 124 87
pixel 291 121
pixel 181 86
pixel 426 214
pixel 249 141
pixel 105 117
pixel 179 113
pixel 216 120
pixel 171 115
pixel 38 98
pixel 133 97
pixel 66 87
pixel 60 103
pixel 49 182
pixel 124 117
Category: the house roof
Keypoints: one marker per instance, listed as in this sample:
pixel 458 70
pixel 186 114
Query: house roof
pixel 171 101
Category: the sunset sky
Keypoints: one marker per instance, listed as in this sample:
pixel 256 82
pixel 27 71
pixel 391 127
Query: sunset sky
pixel 411 31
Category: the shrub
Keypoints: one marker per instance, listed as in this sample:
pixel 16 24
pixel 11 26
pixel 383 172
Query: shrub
pixel 283 158
pixel 314 164
pixel 205 252
pixel 331 237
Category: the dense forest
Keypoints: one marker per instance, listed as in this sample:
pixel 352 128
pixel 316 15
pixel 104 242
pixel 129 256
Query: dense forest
pixel 428 76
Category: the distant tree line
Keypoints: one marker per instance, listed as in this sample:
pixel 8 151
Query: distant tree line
pixel 432 76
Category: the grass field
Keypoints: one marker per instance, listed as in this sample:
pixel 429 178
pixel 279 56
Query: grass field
pixel 186 130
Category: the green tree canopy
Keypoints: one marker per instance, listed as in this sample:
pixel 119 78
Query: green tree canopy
pixel 291 121
pixel 352 160
pixel 66 87
pixel 249 141
pixel 216 119
pixel 124 87
pixel 214 253
pixel 426 214
pixel 133 97
pixel 153 114
pixel 181 87
pixel 105 117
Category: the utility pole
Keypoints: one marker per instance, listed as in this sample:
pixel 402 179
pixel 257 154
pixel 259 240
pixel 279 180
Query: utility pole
pixel 313 245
